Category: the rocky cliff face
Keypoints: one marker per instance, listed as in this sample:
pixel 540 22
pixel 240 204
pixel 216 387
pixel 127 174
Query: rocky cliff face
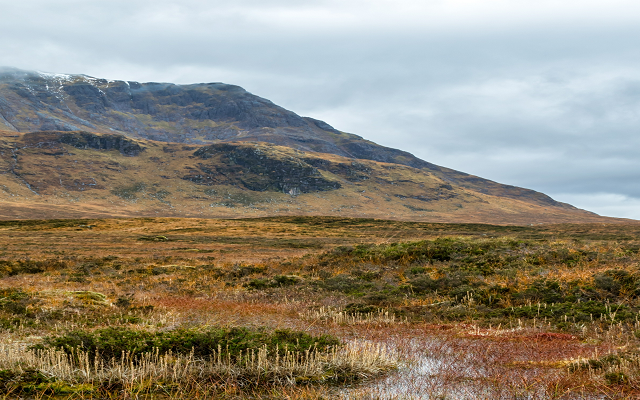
pixel 258 169
pixel 198 114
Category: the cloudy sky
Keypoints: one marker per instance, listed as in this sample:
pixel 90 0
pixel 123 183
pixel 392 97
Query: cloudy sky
pixel 543 94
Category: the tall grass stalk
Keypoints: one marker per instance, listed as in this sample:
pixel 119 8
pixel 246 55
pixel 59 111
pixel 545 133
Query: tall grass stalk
pixel 341 317
pixel 355 360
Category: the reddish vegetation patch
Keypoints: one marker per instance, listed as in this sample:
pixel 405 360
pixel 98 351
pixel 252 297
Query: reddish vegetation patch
pixel 440 327
pixel 228 311
pixel 554 336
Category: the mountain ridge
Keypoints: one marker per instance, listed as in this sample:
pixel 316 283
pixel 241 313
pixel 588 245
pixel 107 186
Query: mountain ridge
pixel 200 115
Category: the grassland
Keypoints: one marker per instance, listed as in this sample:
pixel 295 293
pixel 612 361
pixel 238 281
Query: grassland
pixel 318 307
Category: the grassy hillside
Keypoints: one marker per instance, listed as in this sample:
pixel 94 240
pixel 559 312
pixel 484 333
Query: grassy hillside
pixel 80 174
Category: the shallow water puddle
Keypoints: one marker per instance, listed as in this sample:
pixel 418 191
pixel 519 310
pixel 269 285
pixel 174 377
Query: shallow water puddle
pixel 460 369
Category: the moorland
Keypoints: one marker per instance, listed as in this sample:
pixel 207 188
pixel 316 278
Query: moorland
pixel 318 307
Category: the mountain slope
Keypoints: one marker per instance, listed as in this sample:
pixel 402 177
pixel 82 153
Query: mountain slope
pixel 199 114
pixel 62 174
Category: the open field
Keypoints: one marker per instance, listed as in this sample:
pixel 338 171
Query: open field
pixel 318 307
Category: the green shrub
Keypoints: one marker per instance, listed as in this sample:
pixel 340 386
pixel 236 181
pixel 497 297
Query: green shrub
pixel 258 284
pixel 11 268
pixel 424 284
pixel 15 301
pixel 417 270
pixel 615 378
pixel 285 280
pixel 544 291
pixel 616 282
pixel 124 302
pixel 112 342
pixel 345 284
pixel 32 381
pixel 240 271
pixel 27 381
pixel 12 294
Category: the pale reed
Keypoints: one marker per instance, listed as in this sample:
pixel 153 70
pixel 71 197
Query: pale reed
pixel 341 317
pixel 357 359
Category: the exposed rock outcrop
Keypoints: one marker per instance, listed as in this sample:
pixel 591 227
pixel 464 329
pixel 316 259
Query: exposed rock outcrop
pixel 258 169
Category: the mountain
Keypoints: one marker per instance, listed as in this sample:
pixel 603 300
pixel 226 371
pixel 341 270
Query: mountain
pixel 101 147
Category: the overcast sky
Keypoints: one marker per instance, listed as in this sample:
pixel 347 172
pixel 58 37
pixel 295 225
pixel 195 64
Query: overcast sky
pixel 543 94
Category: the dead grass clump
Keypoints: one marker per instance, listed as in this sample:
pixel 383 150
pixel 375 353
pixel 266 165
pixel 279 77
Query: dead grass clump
pixel 342 317
pixel 169 372
pixel 617 369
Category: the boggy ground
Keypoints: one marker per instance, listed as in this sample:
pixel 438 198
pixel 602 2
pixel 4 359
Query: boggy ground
pixel 363 309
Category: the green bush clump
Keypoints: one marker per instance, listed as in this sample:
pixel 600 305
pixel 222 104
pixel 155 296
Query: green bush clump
pixel 475 253
pixel 275 282
pixel 425 284
pixel 357 308
pixel 12 294
pixel 258 284
pixel 33 381
pixel 616 369
pixel 15 301
pixel 615 378
pixel 417 270
pixel 486 275
pixel 346 284
pixel 542 290
pixel 11 268
pixel 617 282
pixel 285 280
pixel 27 381
pixel 481 256
pixel 240 271
pixel 113 342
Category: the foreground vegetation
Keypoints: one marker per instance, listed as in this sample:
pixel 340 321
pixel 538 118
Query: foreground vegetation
pixel 318 308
